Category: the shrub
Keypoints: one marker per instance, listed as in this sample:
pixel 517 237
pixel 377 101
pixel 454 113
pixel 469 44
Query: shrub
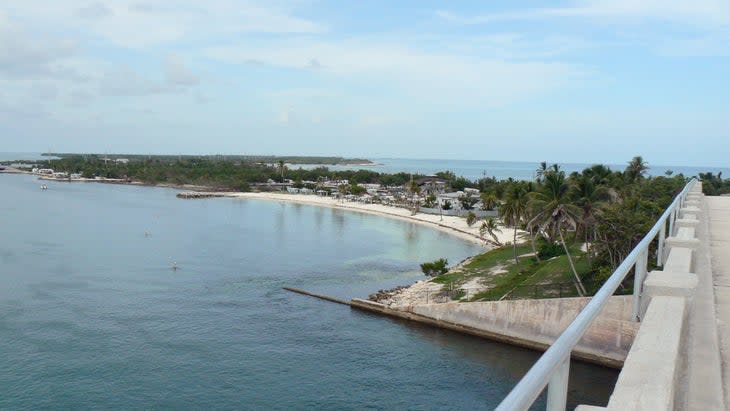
pixel 446 205
pixel 471 218
pixel 550 250
pixel 430 201
pixel 435 268
pixel 468 202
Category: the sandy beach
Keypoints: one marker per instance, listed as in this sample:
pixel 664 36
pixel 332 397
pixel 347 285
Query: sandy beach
pixel 455 226
pixel 423 291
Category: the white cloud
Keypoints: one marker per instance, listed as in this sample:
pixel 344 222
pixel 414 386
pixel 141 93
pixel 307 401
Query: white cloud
pixel 698 12
pixel 94 11
pixel 712 44
pixel 124 81
pixel 177 72
pixel 144 23
pixel 430 75
pixel 23 54
pixel 286 117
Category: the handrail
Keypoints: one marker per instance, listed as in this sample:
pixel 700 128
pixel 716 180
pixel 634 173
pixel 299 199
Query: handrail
pixel 552 367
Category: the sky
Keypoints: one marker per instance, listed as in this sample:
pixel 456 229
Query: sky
pixel 573 81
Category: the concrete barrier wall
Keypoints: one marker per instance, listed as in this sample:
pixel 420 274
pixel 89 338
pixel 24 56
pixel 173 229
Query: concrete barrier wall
pixel 538 323
pixel 649 380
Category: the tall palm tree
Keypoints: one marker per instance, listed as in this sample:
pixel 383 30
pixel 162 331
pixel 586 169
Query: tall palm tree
pixel 554 213
pixel 282 166
pixel 590 198
pixel 541 170
pixel 636 169
pixel 513 211
pixel 415 190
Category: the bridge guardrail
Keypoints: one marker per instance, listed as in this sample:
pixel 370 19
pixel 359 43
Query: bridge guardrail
pixel 552 368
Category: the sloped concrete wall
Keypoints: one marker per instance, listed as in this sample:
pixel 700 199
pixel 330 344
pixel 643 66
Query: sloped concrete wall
pixel 538 323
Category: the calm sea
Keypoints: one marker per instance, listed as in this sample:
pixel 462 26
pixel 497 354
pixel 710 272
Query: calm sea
pixel 520 170
pixel 92 316
pixel 471 169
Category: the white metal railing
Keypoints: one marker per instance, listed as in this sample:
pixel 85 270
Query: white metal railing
pixel 553 366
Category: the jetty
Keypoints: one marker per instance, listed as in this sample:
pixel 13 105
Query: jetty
pixel 191 195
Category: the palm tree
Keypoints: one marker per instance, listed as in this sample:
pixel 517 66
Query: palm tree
pixel 513 210
pixel 281 168
pixel 489 201
pixel 541 170
pixel 636 169
pixel 554 213
pixel 599 174
pixel 415 189
pixel 490 226
pixel 590 198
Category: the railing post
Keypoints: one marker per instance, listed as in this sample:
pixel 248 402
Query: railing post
pixel 557 398
pixel 671 222
pixel 660 245
pixel 639 275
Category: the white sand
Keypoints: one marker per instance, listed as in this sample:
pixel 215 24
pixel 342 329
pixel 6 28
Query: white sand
pixel 422 292
pixel 453 225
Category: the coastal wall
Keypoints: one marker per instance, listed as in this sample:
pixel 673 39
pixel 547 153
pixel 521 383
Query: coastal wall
pixel 533 324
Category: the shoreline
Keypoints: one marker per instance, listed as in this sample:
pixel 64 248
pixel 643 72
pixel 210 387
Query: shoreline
pixel 455 226
pixel 452 225
pixel 405 295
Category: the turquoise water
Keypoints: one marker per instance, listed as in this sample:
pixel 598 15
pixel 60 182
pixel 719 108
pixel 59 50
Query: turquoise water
pixel 92 316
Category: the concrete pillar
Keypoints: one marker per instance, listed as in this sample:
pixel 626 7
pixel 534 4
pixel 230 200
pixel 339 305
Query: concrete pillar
pixel 689 210
pixel 687 222
pixel 671 284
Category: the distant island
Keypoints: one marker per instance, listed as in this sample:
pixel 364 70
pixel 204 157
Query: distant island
pixel 270 159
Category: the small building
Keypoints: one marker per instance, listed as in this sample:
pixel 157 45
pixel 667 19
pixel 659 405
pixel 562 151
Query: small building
pixel 432 184
pixel 292 190
pixel 122 161
pixel 60 174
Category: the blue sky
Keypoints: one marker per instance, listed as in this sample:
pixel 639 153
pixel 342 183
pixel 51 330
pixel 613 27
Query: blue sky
pixel 575 81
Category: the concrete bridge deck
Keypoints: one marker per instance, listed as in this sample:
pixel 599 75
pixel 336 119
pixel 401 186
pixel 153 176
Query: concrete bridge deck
pixel 718 210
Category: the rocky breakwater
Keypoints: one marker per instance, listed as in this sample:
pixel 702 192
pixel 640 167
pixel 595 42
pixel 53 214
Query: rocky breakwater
pixel 191 195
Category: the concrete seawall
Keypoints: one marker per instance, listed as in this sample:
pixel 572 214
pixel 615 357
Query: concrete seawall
pixel 533 324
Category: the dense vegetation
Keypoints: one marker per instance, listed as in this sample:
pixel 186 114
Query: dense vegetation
pixel 608 211
pixel 714 185
pixel 211 171
pixel 238 158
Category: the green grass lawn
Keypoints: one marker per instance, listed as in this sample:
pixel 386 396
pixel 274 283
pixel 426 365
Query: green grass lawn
pixel 497 270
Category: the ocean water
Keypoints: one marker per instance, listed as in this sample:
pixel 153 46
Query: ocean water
pixel 520 170
pixel 92 316
pixel 30 156
pixel 471 169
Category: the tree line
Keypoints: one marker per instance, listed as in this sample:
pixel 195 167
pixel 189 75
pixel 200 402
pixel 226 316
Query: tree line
pixel 607 211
